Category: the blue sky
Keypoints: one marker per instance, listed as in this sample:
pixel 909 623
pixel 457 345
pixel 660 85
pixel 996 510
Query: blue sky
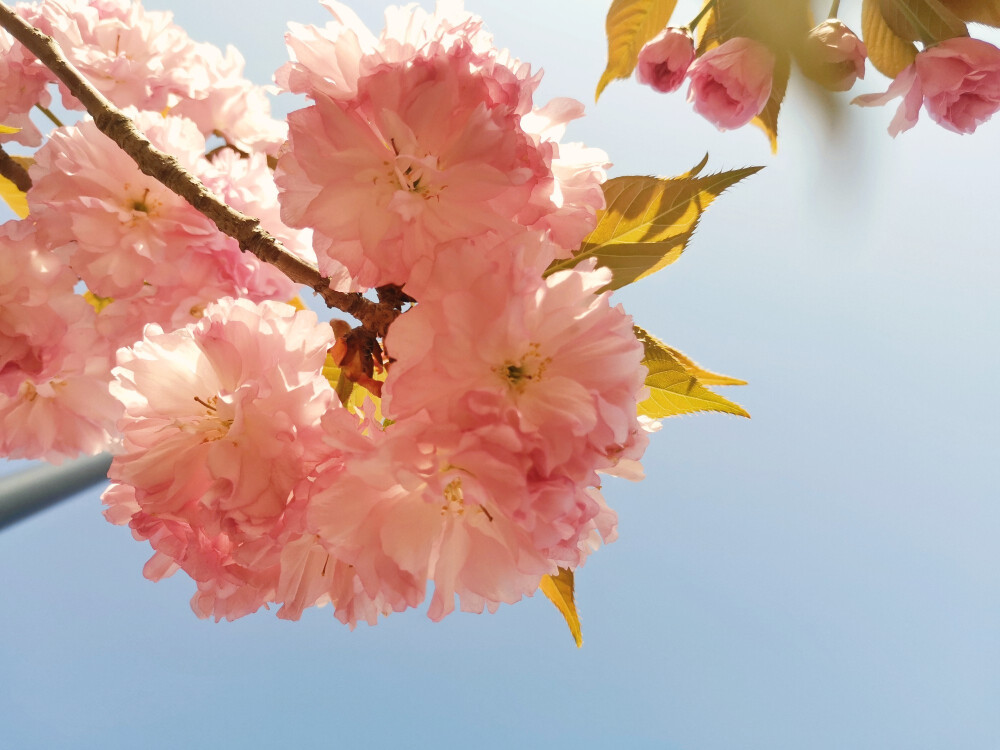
pixel 822 576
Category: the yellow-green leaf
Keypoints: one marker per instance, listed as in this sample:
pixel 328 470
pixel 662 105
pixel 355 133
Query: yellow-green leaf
pixel 654 349
pixel 767 120
pixel 352 395
pixel 559 590
pixel 98 303
pixel 647 223
pixel 889 53
pixel 673 391
pixel 976 11
pixel 928 21
pixel 7 129
pixel 17 200
pixel 673 388
pixel 629 25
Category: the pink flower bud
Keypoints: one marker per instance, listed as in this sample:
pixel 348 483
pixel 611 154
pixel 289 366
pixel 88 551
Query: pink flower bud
pixel 957 81
pixel 731 83
pixel 665 60
pixel 833 56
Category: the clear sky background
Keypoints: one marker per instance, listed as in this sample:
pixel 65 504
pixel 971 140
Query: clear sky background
pixel 823 576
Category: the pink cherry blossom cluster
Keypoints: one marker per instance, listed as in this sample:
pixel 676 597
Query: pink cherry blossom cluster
pixel 957 79
pixel 421 169
pixel 135 58
pixel 143 254
pixel 730 83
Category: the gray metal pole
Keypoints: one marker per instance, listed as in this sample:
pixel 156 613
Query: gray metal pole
pixel 33 490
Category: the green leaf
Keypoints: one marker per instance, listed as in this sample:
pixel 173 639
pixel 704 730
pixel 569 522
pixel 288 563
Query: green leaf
pixel 648 222
pixel 654 349
pixel 922 20
pixel 629 25
pixel 352 395
pixel 674 388
pixel 976 11
pixel 888 52
pixel 559 590
pixel 17 200
pixel 767 120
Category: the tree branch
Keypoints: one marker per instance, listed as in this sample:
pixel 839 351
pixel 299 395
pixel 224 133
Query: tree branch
pixel 166 169
pixel 14 172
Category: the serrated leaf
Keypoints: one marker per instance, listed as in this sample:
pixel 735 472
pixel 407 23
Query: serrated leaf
pixel 16 199
pixel 922 20
pixel 889 53
pixel 767 120
pixel 976 11
pixel 673 388
pixel 559 590
pixel 647 223
pixel 696 169
pixel 629 25
pixel 673 391
pixel 654 349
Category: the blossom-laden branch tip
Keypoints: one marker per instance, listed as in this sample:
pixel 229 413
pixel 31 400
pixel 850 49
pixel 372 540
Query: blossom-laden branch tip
pixel 167 170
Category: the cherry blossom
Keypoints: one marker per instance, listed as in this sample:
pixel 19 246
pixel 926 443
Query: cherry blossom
pixel 384 178
pixel 221 422
pixel 730 84
pixel 957 81
pixel 664 60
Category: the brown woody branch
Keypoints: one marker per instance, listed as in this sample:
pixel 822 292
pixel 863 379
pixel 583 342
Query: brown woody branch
pixel 166 169
pixel 14 172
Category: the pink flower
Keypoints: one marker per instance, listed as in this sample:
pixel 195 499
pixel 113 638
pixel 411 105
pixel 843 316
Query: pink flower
pixel 578 173
pixel 957 81
pixel 220 100
pixel 385 179
pixel 37 307
pixel 221 424
pixel 116 224
pixel 834 56
pixel 731 83
pixel 54 399
pixel 665 59
pixel 494 345
pixel 132 56
pixel 132 240
pixel 423 502
pixel 23 84
pixel 330 60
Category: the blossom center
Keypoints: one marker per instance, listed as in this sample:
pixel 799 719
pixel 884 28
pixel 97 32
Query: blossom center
pixel 529 368
pixel 454 502
pixel 212 425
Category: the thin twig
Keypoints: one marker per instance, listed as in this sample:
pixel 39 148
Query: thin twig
pixel 166 169
pixel 48 113
pixel 14 172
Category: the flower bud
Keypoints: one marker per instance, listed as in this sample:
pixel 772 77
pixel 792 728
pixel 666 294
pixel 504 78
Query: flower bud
pixel 665 59
pixel 833 56
pixel 731 83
